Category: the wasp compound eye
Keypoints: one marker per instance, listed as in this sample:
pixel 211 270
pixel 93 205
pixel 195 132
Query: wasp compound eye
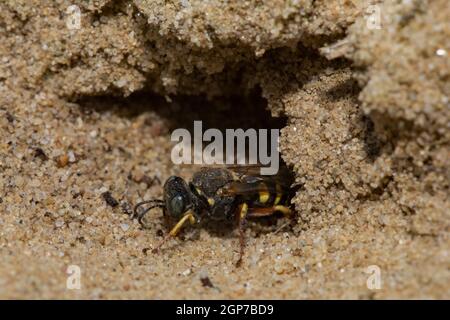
pixel 176 206
pixel 176 196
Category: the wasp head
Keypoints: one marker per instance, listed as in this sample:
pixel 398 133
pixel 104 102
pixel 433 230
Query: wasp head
pixel 177 197
pixel 178 200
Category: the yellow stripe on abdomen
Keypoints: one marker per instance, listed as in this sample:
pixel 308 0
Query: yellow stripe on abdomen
pixel 279 195
pixel 264 196
pixel 277 199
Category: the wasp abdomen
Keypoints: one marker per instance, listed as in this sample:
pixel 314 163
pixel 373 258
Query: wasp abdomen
pixel 267 196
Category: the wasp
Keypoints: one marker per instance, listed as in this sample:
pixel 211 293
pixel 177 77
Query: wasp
pixel 222 194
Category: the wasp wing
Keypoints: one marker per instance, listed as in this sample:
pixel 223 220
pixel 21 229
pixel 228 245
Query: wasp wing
pixel 248 179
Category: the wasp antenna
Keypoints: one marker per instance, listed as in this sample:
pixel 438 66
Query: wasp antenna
pixel 157 203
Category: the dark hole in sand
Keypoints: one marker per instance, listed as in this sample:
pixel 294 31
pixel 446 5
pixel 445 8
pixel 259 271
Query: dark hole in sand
pixel 238 111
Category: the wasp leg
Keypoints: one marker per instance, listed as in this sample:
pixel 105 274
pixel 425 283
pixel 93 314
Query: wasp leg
pixel 188 216
pixel 243 210
pixel 264 212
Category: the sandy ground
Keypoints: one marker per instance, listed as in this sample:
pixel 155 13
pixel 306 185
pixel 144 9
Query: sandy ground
pixel 89 111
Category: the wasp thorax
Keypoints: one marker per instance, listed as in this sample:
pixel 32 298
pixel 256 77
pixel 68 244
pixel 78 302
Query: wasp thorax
pixel 176 197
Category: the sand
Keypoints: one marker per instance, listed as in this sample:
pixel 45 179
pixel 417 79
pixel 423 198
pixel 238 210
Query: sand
pixel 86 116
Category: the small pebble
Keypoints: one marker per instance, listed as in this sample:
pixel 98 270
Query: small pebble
pixel 110 200
pixel 71 156
pixel 59 222
pixel 186 272
pixel 62 160
pixel 206 282
pixel 39 153
pixel 441 52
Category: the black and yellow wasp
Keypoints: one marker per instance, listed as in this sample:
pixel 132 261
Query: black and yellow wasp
pixel 223 193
